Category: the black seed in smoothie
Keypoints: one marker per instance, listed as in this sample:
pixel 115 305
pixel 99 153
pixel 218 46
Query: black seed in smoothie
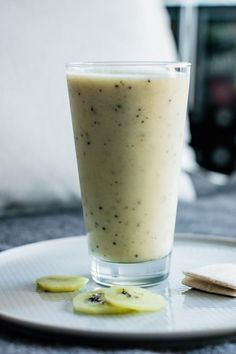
pixel 148 80
pixel 91 212
pixel 115 216
pixel 95 122
pixel 139 109
pixel 116 182
pixel 97 246
pixel 142 121
pixel 88 142
pixel 81 135
pixel 119 105
pixel 119 125
pixel 130 87
pixel 137 115
pixel 117 86
pixel 100 90
pixel 136 255
pixel 91 109
pixel 116 235
pixel 120 222
pixel 170 99
pixel 79 93
pixel 138 225
pixel 139 202
pixel 115 109
pixel 96 223
pixel 100 208
pixel 104 229
pixel 114 243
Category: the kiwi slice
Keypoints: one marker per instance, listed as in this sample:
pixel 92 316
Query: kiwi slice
pixel 134 298
pixel 61 283
pixel 95 303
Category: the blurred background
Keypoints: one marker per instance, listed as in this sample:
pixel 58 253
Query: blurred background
pixel 205 34
pixel 37 158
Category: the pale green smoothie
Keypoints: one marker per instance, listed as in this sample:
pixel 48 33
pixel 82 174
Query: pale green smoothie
pixel 128 132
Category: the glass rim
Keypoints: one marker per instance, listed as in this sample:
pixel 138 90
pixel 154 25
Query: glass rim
pixel 90 64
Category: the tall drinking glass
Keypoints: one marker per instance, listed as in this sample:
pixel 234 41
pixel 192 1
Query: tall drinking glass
pixel 128 122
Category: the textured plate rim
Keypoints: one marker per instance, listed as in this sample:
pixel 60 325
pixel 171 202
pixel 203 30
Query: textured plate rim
pixel 138 337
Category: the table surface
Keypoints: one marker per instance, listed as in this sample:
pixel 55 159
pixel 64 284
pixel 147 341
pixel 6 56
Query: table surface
pixel 212 213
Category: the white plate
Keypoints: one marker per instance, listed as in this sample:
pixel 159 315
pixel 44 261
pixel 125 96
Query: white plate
pixel 189 315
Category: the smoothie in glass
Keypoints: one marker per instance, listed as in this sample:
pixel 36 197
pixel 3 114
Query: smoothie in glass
pixel 128 129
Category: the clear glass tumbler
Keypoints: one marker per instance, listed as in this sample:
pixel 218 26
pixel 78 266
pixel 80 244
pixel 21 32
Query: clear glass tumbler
pixel 128 122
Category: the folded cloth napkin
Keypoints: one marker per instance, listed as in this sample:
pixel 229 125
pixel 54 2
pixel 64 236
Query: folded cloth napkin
pixel 214 278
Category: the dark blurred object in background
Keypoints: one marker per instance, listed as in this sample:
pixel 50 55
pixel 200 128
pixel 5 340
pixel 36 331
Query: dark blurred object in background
pixel 205 34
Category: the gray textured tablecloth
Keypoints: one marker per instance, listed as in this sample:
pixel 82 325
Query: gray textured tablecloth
pixel 214 212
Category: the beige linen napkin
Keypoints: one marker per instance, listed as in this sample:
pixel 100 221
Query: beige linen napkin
pixel 214 278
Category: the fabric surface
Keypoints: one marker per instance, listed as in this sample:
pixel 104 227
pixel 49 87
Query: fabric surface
pixel 211 213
